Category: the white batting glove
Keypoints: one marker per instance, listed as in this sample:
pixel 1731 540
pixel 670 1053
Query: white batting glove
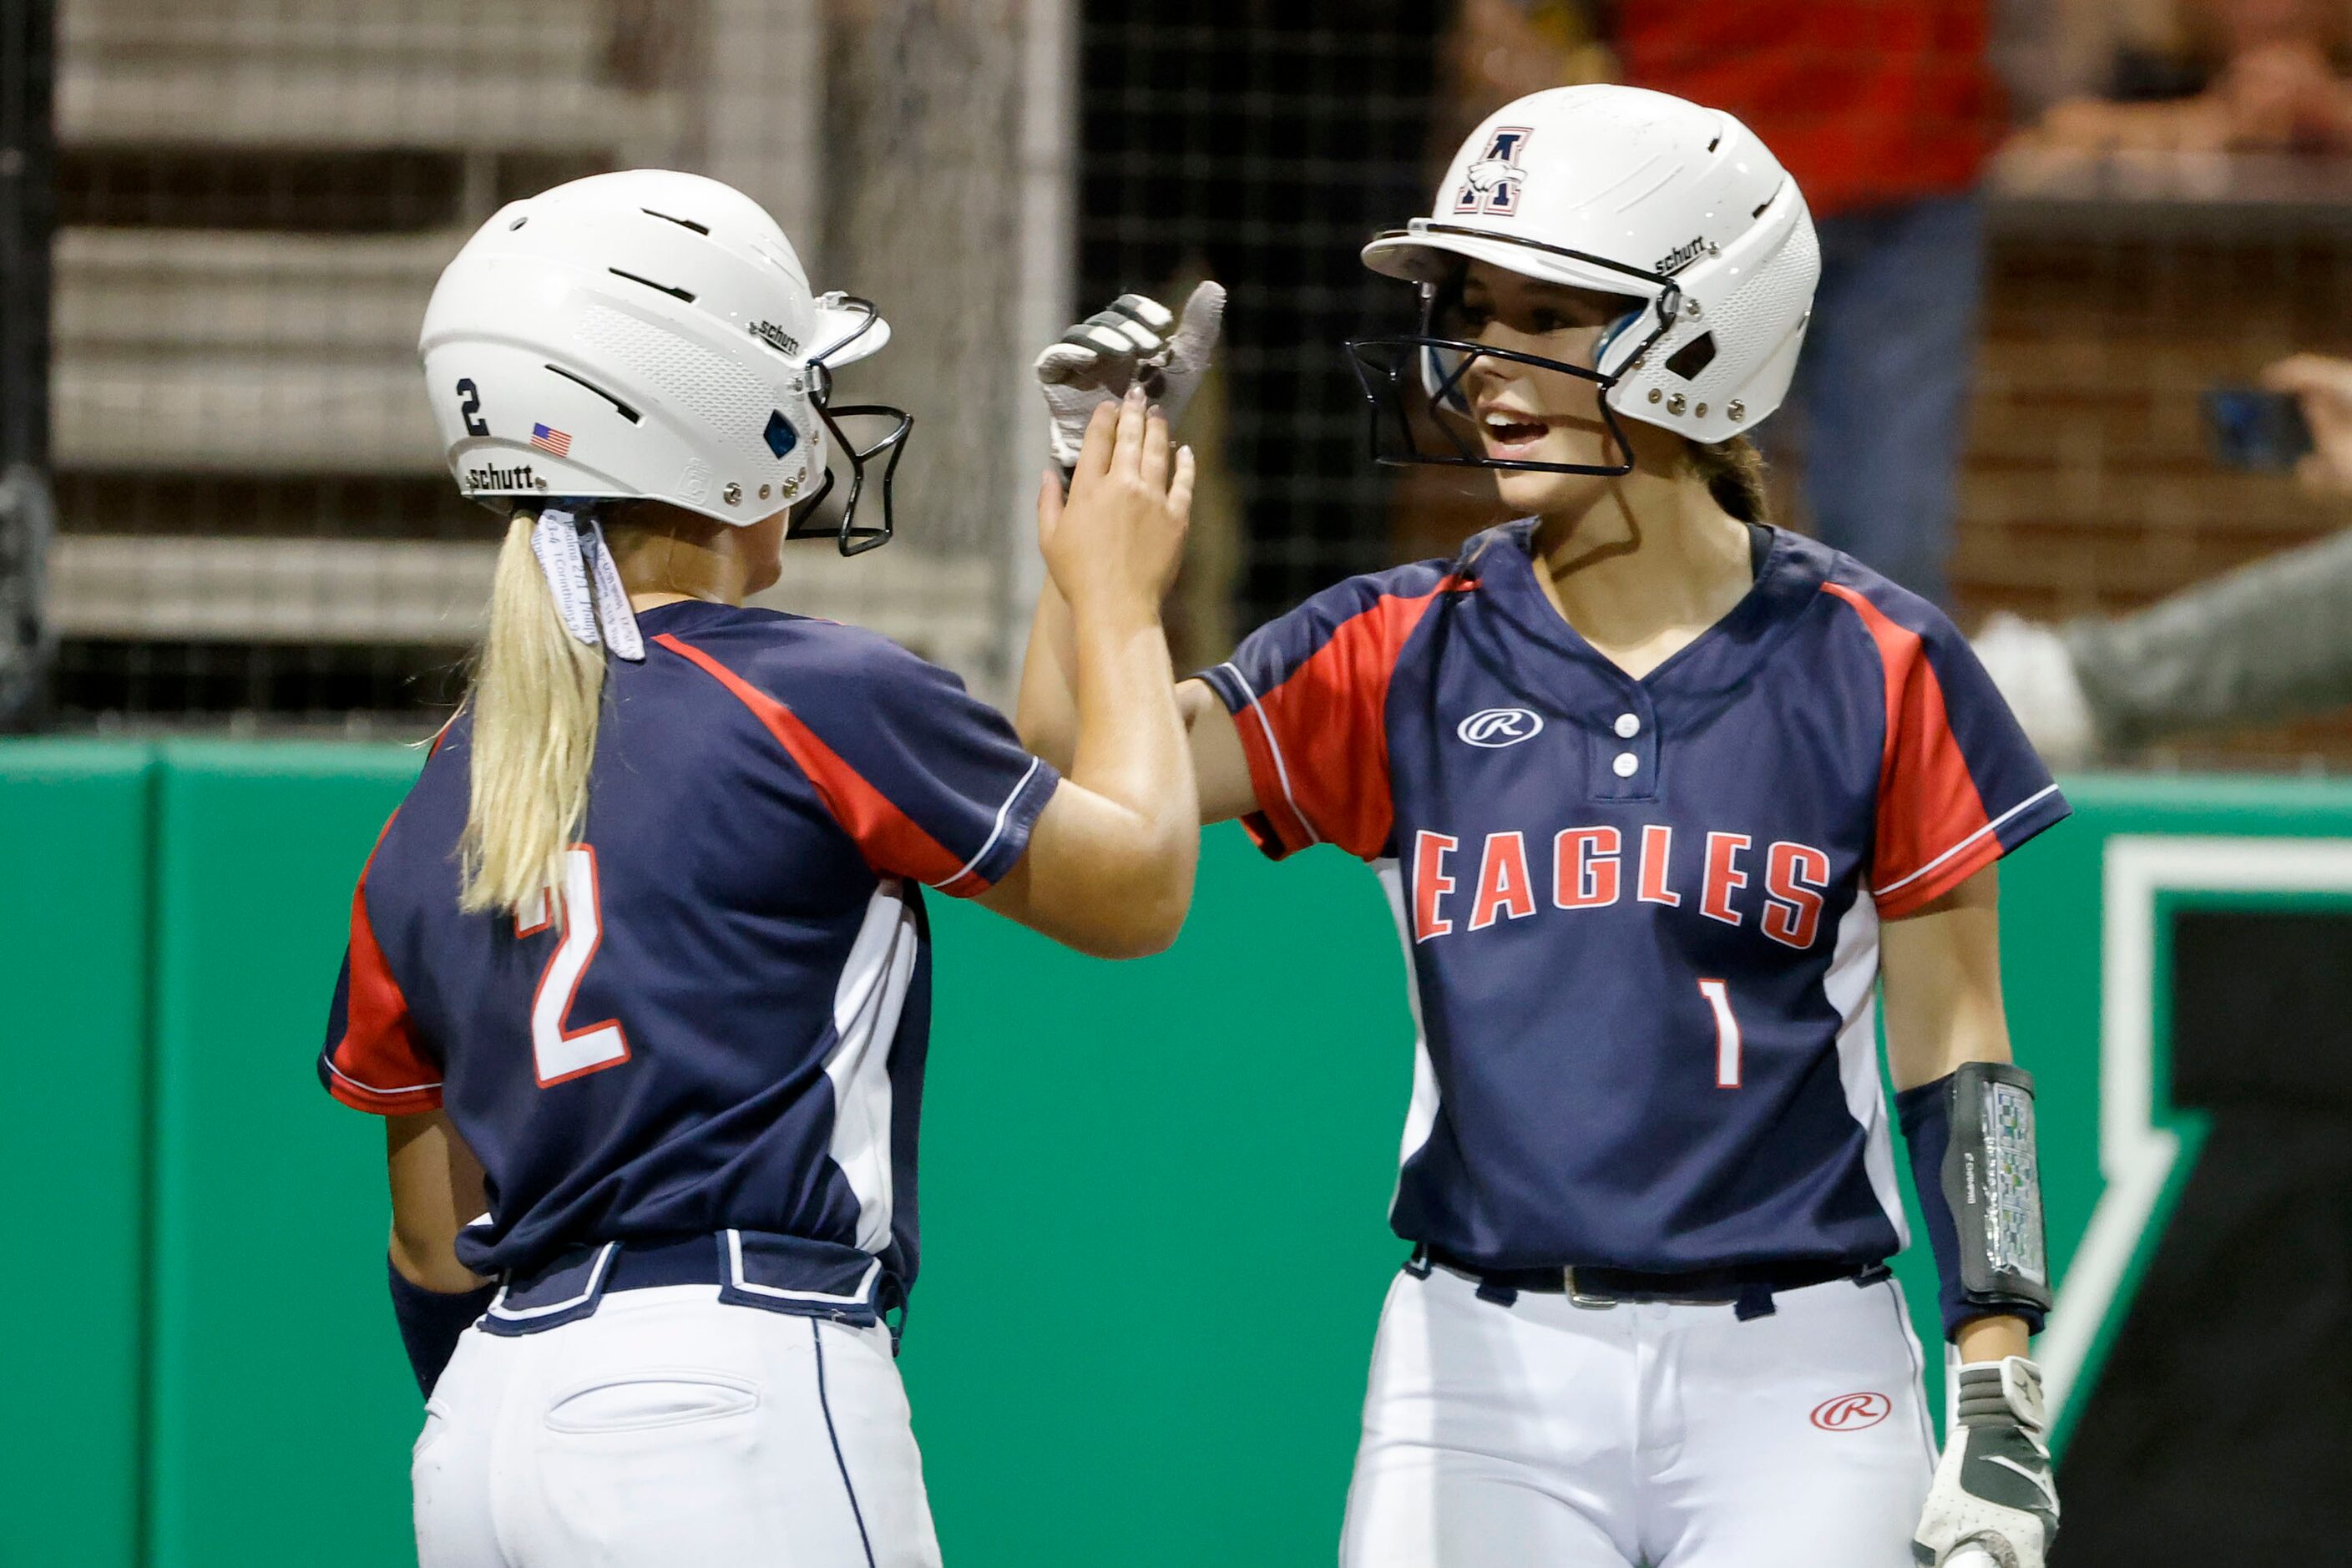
pixel 1993 1504
pixel 1098 358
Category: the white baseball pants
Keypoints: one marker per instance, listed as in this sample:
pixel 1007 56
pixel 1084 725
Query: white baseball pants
pixel 1547 1434
pixel 668 1429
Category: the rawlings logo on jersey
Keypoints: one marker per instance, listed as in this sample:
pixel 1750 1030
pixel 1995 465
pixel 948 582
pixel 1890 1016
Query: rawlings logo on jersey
pixel 1491 185
pixel 1851 1412
pixel 1492 727
pixel 1588 870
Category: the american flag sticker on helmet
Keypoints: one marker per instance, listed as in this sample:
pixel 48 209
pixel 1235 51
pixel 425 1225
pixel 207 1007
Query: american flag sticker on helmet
pixel 549 439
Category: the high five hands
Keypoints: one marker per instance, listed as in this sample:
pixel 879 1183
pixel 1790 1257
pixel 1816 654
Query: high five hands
pixel 1115 543
pixel 1128 345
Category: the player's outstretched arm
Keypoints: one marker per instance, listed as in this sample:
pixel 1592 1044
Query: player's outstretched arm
pixel 1108 868
pixel 1967 1113
pixel 1047 716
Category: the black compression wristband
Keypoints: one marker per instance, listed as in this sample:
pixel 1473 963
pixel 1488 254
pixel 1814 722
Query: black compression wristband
pixel 431 1322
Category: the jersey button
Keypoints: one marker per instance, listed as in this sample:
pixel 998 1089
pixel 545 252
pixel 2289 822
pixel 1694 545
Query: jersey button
pixel 1628 726
pixel 1625 763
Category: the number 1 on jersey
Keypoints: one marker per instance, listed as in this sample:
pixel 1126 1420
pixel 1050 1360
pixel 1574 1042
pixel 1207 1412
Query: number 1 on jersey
pixel 1726 1033
pixel 559 1055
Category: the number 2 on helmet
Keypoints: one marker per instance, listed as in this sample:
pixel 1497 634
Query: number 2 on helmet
pixel 560 1055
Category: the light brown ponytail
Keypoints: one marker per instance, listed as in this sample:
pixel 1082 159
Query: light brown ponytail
pixel 536 695
pixel 1734 472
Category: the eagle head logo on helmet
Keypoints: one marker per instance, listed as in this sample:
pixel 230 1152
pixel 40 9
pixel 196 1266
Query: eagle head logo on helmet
pixel 1620 190
pixel 1491 185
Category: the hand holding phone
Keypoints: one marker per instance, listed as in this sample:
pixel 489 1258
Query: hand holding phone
pixel 2247 428
pixel 2320 387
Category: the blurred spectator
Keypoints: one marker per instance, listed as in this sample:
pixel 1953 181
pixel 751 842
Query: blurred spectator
pixel 1885 111
pixel 2270 641
pixel 2251 75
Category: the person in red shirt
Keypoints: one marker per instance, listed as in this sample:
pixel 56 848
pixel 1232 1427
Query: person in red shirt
pixel 1886 112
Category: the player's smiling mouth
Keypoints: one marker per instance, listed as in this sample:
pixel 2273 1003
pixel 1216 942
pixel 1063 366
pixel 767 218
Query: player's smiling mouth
pixel 1511 432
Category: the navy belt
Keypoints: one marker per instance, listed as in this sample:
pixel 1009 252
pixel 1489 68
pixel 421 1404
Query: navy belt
pixel 787 1274
pixel 1747 1286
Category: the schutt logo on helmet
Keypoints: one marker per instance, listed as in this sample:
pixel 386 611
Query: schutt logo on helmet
pixel 1851 1412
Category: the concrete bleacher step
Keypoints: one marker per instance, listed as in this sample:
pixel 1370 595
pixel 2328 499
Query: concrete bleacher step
pixel 207 352
pixel 248 590
pixel 459 74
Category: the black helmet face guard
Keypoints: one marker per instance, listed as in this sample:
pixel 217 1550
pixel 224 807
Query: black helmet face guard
pixel 850 536
pixel 1437 366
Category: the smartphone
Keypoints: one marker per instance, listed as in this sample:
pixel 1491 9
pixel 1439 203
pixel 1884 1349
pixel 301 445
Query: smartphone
pixel 2247 428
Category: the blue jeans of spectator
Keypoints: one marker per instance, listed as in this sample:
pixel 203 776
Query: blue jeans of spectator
pixel 1882 383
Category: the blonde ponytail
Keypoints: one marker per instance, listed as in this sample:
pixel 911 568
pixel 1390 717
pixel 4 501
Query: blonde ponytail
pixel 536 696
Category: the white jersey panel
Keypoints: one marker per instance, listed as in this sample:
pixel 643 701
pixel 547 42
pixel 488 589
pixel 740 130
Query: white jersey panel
pixel 1421 1115
pixel 865 1008
pixel 1853 987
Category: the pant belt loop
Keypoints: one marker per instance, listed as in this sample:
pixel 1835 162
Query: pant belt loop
pixel 1755 1300
pixel 1501 1295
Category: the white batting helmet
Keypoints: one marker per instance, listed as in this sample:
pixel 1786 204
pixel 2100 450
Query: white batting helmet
pixel 645 335
pixel 1624 191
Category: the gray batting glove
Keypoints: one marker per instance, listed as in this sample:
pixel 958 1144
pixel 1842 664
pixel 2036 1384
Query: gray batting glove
pixel 1992 1498
pixel 1100 357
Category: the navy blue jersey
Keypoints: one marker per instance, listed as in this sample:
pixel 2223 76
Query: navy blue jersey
pixel 728 1029
pixel 1642 916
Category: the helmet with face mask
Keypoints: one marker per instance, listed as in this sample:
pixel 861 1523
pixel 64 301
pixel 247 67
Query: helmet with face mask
pixel 651 335
pixel 1618 191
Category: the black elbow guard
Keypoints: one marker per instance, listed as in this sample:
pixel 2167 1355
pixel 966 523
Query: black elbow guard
pixel 1979 1183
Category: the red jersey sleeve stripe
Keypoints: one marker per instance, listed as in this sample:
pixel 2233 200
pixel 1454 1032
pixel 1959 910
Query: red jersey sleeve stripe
pixel 1980 848
pixel 1933 831
pixel 893 843
pixel 1332 777
pixel 378 1065
pixel 1277 823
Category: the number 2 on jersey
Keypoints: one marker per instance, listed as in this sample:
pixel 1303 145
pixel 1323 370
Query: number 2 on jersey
pixel 1726 1033
pixel 560 1055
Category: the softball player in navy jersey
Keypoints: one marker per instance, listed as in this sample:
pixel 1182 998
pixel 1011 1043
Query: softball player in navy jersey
pixel 1660 793
pixel 639 972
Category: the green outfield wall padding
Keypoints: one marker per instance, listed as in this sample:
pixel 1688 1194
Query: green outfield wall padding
pixel 1154 1212
pixel 282 1411
pixel 1154 1195
pixel 74 855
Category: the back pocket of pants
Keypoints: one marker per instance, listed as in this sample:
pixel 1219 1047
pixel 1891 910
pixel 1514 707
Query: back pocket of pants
pixel 653 1400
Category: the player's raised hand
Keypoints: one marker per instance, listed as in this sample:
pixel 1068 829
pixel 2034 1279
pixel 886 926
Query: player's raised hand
pixel 1129 343
pixel 1115 543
